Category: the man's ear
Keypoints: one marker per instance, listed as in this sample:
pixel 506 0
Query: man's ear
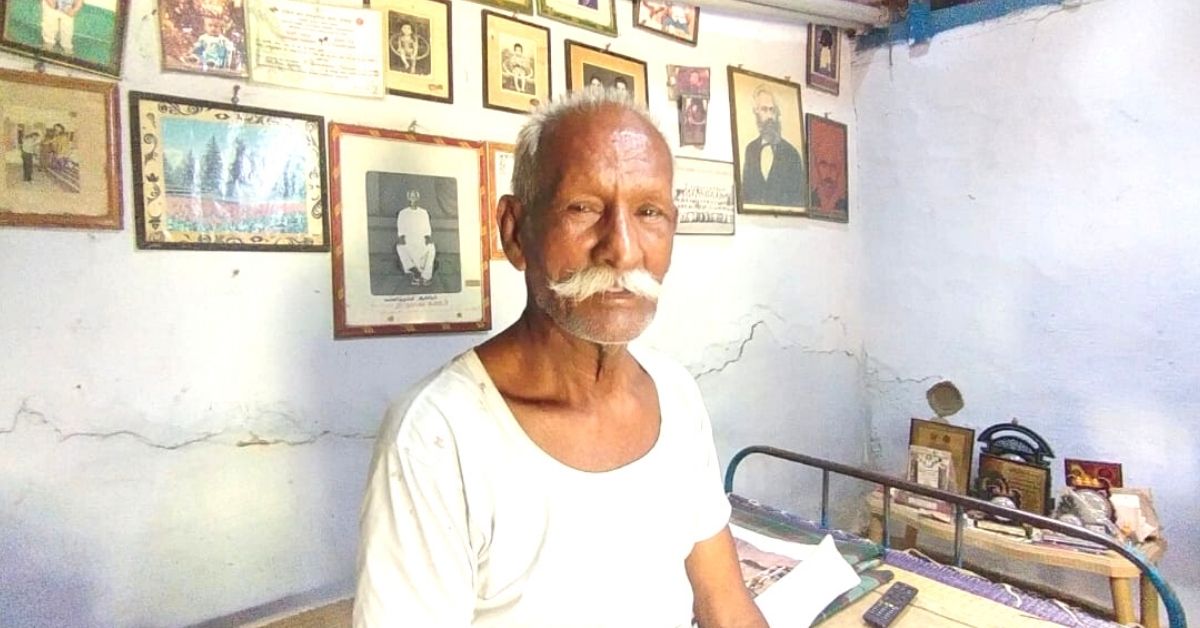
pixel 510 213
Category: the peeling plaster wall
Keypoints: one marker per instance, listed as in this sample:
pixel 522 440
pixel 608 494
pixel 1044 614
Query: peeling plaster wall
pixel 1031 234
pixel 182 440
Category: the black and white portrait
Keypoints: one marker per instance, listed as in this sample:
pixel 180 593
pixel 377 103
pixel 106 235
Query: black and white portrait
pixel 412 224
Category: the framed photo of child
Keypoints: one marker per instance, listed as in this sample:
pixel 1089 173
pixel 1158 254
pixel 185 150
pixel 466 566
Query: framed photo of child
pixel 207 38
pixel 516 63
pixel 85 34
pixel 418 62
pixel 64 131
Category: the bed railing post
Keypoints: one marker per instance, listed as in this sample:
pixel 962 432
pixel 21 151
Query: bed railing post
pixel 959 520
pixel 825 498
pixel 887 518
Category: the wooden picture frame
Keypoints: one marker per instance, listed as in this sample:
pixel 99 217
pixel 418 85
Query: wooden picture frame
pixel 214 176
pixel 500 161
pixel 72 178
pixel 763 108
pixel 95 30
pixel 595 15
pixel 516 64
pixel 824 59
pixel 515 6
pixel 1028 485
pixel 959 441
pixel 419 62
pixel 829 169
pixel 204 42
pixel 589 67
pixel 678 21
pixel 705 196
pixel 409 233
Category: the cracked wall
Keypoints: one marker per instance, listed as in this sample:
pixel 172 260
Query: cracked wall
pixel 182 441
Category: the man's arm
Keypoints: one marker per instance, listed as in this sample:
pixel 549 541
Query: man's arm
pixel 721 598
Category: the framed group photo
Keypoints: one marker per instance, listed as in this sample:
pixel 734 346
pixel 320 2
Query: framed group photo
pixel 214 176
pixel 211 40
pixel 705 196
pixel 500 161
pixel 829 172
pixel 86 34
pixel 62 157
pixel 419 60
pixel 409 233
pixel 595 15
pixel 596 69
pixel 768 143
pixel 824 58
pixel 676 20
pixel 516 63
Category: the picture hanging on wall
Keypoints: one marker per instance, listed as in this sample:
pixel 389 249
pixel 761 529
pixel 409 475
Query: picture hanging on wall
pixel 595 15
pixel 678 20
pixel 85 34
pixel 499 182
pixel 516 6
pixel 516 63
pixel 828 178
pixel 705 196
pixel 409 233
pixel 419 61
pixel 63 158
pixel 824 58
pixel 693 121
pixel 595 69
pixel 316 47
pixel 214 176
pixel 205 40
pixel 768 135
pixel 684 80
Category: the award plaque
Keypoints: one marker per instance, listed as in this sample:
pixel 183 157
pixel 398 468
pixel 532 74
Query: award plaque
pixel 1027 485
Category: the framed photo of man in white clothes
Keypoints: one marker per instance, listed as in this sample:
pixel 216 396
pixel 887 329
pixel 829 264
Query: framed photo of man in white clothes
pixel 768 143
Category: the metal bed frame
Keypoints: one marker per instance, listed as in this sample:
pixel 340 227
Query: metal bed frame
pixel 1175 614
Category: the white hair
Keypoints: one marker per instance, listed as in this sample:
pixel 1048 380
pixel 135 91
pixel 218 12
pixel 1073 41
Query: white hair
pixel 526 182
pixel 598 279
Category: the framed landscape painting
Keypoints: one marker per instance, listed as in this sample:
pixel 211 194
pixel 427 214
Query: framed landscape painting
pixel 86 34
pixel 210 175
pixel 61 154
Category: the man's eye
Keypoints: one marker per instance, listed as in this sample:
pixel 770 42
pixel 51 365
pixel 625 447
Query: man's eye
pixel 650 211
pixel 579 208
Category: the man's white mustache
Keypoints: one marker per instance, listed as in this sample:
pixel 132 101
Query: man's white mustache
pixel 594 280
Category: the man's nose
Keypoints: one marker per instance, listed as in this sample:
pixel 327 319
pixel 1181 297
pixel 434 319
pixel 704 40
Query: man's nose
pixel 618 245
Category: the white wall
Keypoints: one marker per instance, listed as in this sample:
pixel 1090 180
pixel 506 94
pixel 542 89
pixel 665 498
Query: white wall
pixel 131 379
pixel 1031 233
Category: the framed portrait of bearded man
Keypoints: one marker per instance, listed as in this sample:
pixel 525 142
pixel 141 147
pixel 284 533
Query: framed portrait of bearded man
pixel 768 144
pixel 828 182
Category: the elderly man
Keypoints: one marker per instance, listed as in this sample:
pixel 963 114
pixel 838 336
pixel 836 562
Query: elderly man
pixel 415 250
pixel 554 475
pixel 772 171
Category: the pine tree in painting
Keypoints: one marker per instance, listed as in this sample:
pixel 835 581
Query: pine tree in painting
pixel 187 173
pixel 211 168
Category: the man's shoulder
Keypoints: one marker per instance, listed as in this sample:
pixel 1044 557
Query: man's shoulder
pixel 662 367
pixel 445 402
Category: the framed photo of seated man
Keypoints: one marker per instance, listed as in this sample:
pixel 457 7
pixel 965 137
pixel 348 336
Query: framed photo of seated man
pixel 768 143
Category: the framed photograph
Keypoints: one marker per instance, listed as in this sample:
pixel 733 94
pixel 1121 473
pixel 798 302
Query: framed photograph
pixel 85 34
pixel 593 68
pixel 685 80
pixel 828 179
pixel 768 143
pixel 824 58
pixel 419 61
pixel 317 47
pixel 409 233
pixel 516 64
pixel 594 15
pixel 62 165
pixel 215 176
pixel 705 196
pixel 499 182
pixel 928 467
pixel 205 40
pixel 959 441
pixel 1028 485
pixel 516 6
pixel 693 121
pixel 678 20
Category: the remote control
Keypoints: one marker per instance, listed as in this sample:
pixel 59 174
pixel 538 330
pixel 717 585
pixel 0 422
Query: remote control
pixel 888 608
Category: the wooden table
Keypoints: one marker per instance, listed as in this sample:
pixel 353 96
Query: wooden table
pixel 1122 575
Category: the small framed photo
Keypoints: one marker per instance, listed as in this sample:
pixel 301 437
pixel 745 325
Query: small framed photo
pixel 595 15
pixel 516 6
pixel 824 58
pixel 214 176
pixel 705 196
pixel 208 39
pixel 678 20
pixel 63 165
pixel 685 80
pixel 516 63
pixel 959 441
pixel 409 233
pixel 693 121
pixel 593 68
pixel 768 137
pixel 1027 485
pixel 828 177
pixel 499 182
pixel 85 34
pixel 419 59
